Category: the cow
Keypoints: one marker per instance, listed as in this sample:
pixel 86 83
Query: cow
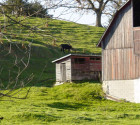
pixel 66 46
pixel 1 118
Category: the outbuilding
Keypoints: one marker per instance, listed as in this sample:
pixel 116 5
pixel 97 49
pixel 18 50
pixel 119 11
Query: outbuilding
pixel 75 67
pixel 121 54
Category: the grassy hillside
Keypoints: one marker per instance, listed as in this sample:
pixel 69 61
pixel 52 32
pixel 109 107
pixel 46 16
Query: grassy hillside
pixel 82 37
pixel 41 33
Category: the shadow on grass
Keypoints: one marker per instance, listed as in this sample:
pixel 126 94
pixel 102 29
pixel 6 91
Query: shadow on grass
pixel 68 106
pixel 37 116
pixel 89 81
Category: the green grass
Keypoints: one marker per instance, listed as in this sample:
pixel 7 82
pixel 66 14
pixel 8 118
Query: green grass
pixel 82 37
pixel 68 104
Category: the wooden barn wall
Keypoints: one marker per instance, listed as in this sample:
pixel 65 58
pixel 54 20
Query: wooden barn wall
pixel 120 64
pixel 120 34
pixel 90 70
pixel 136 38
pixel 58 75
pixel 119 59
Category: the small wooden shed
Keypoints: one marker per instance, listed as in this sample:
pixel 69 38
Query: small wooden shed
pixel 75 67
pixel 121 54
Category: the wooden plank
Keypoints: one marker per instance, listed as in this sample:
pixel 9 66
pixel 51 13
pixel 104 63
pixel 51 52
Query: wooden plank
pixel 130 63
pixel 133 65
pixel 105 66
pixel 109 65
pixel 138 68
pixel 108 59
pixel 122 64
pixel 125 63
pixel 116 61
pixel 112 68
pixel 129 66
pixel 118 65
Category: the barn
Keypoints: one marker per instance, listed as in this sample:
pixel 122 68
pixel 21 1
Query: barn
pixel 121 54
pixel 74 67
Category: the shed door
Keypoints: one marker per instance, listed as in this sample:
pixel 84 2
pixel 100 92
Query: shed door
pixel 63 72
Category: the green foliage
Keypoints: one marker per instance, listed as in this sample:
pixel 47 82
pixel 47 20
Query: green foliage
pixel 14 6
pixel 35 9
pixel 25 8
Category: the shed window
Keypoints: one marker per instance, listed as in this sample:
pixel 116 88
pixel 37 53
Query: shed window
pixel 136 13
pixel 79 60
pixel 94 58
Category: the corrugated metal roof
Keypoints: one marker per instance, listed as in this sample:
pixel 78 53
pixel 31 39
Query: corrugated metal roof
pixel 112 22
pixel 66 56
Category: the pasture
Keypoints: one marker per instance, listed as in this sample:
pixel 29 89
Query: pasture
pixel 68 104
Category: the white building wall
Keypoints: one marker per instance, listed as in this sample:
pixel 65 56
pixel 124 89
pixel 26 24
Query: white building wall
pixel 137 90
pixel 121 89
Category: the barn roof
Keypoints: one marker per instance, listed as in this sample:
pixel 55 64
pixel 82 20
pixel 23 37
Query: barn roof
pixel 112 22
pixel 66 56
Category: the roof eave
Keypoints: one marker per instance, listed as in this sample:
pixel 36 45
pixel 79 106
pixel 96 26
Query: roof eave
pixel 64 57
pixel 61 58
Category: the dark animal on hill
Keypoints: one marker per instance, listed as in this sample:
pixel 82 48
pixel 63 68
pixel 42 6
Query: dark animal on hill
pixel 1 118
pixel 66 47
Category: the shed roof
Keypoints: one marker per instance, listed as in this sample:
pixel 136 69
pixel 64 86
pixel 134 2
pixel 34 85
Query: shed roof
pixel 66 56
pixel 112 22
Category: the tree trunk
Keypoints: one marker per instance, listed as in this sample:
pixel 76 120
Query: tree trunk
pixel 98 19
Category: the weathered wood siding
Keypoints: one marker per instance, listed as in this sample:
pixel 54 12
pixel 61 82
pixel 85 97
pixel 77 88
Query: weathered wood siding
pixel 73 68
pixel 121 64
pixel 136 40
pixel 120 34
pixel 61 74
pixel 89 70
pixel 119 60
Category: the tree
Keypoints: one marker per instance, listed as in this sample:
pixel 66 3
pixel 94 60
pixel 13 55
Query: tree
pixel 100 7
pixel 97 7
pixel 25 8
pixel 15 55
pixel 36 10
pixel 15 6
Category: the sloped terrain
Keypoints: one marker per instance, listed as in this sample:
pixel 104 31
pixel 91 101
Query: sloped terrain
pixel 40 39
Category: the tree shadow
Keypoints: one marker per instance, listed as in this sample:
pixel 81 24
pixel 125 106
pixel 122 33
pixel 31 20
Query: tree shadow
pixel 67 105
pixel 89 81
